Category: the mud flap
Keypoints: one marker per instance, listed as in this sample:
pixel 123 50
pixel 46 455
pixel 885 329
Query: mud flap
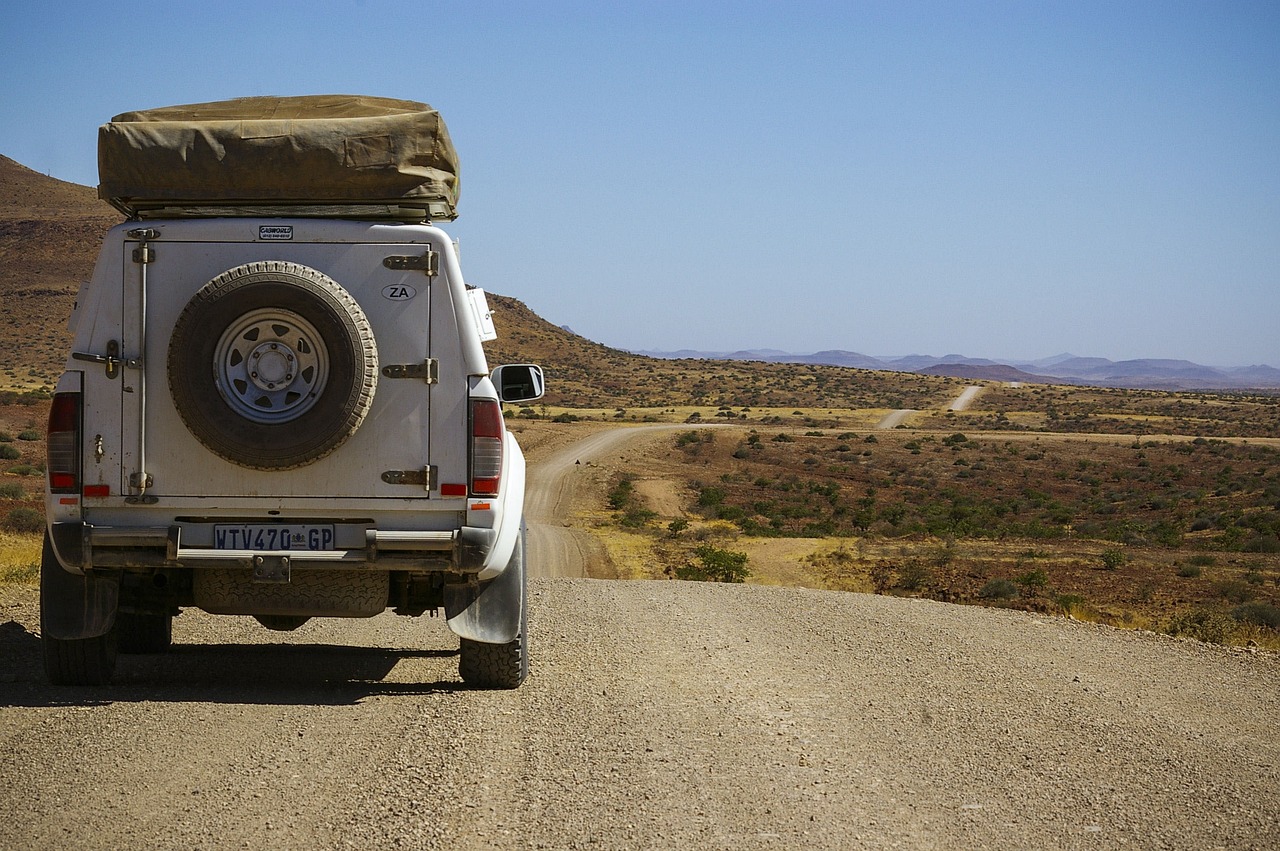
pixel 75 607
pixel 490 612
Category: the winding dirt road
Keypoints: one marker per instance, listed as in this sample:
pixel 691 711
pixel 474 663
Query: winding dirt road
pixel 658 714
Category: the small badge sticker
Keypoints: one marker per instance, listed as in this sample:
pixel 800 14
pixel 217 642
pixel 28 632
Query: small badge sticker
pixel 275 233
pixel 399 292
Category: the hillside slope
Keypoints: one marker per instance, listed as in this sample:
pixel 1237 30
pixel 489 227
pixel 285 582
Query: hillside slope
pixel 50 231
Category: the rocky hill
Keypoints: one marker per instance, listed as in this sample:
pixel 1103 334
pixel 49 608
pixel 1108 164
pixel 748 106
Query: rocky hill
pixel 50 231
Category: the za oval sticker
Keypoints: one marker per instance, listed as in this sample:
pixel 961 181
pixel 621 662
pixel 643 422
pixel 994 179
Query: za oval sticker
pixel 399 292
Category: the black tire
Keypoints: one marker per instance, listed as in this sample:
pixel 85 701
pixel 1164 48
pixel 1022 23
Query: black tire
pixel 77 662
pixel 500 665
pixel 144 632
pixel 272 365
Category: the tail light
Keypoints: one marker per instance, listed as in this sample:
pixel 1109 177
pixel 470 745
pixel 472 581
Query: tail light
pixel 486 446
pixel 64 443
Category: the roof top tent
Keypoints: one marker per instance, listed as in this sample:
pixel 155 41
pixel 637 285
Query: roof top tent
pixel 339 156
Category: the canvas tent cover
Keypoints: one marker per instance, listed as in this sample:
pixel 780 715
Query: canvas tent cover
pixel 312 155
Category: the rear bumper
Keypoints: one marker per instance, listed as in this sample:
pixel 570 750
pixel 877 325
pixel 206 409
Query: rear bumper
pixel 82 546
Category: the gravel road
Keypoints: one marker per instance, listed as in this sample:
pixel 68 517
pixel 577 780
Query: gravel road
pixel 657 715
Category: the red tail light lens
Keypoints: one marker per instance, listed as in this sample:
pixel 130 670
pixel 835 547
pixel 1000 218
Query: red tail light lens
pixel 64 443
pixel 486 446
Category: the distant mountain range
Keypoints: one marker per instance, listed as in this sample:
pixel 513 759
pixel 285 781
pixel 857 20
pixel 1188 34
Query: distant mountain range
pixel 1144 373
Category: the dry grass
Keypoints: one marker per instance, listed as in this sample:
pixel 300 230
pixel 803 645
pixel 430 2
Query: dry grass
pixel 19 559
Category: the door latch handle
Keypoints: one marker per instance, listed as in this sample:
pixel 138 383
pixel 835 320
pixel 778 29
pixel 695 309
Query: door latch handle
pixel 111 360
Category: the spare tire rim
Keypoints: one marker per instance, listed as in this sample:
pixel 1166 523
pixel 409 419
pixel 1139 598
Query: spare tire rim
pixel 271 366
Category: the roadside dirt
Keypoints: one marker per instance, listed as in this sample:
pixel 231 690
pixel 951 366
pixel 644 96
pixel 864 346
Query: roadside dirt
pixel 658 714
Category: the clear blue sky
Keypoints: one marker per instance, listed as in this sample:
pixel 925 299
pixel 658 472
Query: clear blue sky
pixel 999 179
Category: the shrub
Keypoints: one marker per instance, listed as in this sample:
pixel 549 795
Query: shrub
pixel 1112 559
pixel 687 438
pixel 9 453
pixel 1202 625
pixel 636 518
pixel 1072 604
pixel 1034 579
pixel 621 494
pixel 914 576
pixel 1258 614
pixel 12 490
pixel 1202 560
pixel 1234 590
pixel 26 520
pixel 710 497
pixel 999 589
pixel 1189 571
pixel 1262 544
pixel 716 565
pixel 29 434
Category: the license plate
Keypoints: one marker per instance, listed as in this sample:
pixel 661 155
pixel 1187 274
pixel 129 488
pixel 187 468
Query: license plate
pixel 262 537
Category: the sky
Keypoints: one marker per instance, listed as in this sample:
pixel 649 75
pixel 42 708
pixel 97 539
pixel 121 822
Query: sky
pixel 1010 180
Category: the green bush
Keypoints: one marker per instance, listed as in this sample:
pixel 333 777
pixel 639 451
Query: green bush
pixel 26 520
pixel 12 490
pixel 1189 571
pixel 1262 544
pixel 29 434
pixel 1034 579
pixel 1258 614
pixel 1071 603
pixel 710 497
pixel 621 494
pixel 914 576
pixel 1234 590
pixel 9 453
pixel 999 589
pixel 1112 559
pixel 715 565
pixel 1202 625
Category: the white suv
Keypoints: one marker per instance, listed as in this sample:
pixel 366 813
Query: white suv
pixel 279 406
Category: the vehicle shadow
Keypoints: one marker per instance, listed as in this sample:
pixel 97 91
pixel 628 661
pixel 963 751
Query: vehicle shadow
pixel 283 674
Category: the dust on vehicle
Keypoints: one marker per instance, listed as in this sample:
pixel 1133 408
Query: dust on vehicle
pixel 277 403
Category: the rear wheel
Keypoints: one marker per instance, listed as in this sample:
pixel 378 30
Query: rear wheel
pixel 74 662
pixel 500 665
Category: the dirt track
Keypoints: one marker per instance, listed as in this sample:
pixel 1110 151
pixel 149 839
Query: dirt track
pixel 657 714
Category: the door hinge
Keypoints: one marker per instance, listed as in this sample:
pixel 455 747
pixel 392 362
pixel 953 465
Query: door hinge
pixel 423 477
pixel 428 370
pixel 144 253
pixel 141 482
pixel 428 263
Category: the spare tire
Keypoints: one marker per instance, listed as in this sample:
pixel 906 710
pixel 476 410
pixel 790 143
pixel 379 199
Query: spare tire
pixel 272 365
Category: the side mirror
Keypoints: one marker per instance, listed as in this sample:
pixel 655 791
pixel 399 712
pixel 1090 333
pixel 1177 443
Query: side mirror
pixel 518 382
